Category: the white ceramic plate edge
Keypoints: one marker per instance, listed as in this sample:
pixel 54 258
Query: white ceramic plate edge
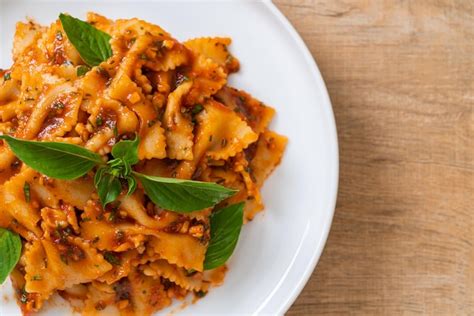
pixel 285 306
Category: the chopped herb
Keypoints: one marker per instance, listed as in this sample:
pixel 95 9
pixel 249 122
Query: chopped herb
pixel 58 105
pixel 96 239
pixel 151 123
pixel 116 134
pixel 143 56
pixel 223 142
pixel 99 121
pixel 7 76
pixel 190 272
pixel 200 294
pixel 86 219
pixel 197 108
pixel 26 192
pixel 111 258
pixel 133 40
pixel 63 259
pixel 82 70
pixel 36 277
pixel 242 99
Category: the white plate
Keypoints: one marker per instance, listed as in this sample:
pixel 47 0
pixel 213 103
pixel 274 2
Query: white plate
pixel 279 249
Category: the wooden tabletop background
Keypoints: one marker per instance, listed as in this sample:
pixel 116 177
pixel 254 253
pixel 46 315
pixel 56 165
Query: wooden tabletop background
pixel 401 78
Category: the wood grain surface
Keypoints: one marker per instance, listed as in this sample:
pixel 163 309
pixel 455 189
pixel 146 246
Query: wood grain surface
pixel 401 78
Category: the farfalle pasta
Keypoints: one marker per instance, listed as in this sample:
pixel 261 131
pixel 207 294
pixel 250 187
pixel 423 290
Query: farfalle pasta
pixel 130 257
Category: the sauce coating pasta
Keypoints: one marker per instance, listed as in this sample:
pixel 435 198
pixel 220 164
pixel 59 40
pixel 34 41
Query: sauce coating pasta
pixel 131 257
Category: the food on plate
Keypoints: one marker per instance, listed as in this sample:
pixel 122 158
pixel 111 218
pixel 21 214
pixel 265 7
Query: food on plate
pixel 128 165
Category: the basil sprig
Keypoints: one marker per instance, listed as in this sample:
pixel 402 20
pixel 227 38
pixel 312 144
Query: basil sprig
pixel 106 179
pixel 67 162
pixel 225 230
pixel 92 44
pixel 10 250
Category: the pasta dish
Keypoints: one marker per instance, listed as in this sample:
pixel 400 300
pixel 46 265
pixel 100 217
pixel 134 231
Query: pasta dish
pixel 127 164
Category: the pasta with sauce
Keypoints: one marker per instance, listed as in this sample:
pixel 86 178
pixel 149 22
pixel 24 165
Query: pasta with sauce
pixel 131 257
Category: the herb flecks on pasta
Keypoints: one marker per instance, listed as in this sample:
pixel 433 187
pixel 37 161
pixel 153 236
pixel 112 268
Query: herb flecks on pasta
pixel 127 165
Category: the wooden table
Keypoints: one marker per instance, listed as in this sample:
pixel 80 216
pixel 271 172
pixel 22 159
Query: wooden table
pixel 401 78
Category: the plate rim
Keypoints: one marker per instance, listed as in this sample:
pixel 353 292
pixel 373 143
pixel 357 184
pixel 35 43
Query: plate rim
pixel 327 104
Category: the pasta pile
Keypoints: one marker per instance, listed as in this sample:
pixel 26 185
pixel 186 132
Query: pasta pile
pixel 131 257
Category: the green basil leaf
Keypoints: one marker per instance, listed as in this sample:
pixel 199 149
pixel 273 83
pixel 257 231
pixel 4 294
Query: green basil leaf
pixel 108 188
pixel 10 251
pixel 92 44
pixel 115 164
pixel 127 150
pixel 132 185
pixel 225 230
pixel 197 109
pixel 183 196
pixel 99 174
pixel 56 160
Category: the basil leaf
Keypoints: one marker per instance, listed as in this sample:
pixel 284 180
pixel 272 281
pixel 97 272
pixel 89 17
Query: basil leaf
pixel 99 174
pixel 132 185
pixel 183 196
pixel 92 44
pixel 225 230
pixel 10 251
pixel 127 150
pixel 56 160
pixel 108 188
